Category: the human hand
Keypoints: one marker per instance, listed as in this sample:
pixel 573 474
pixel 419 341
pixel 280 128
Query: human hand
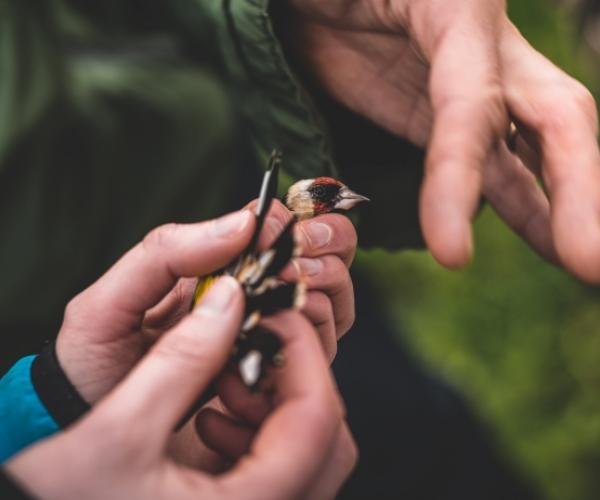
pixel 449 75
pixel 105 333
pixel 301 449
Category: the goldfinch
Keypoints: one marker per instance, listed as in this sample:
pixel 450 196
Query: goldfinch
pixel 257 272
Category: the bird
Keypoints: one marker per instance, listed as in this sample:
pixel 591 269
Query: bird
pixel 257 271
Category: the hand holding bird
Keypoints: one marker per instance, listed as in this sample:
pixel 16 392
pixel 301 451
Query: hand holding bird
pixel 156 301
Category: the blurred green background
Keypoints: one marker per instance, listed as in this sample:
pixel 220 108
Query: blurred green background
pixel 520 339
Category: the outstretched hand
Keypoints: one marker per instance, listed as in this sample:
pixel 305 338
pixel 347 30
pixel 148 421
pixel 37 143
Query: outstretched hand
pixel 450 75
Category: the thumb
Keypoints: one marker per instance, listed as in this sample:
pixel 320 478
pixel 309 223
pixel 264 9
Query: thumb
pixel 182 364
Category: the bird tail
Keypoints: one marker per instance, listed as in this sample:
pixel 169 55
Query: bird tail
pixel 268 192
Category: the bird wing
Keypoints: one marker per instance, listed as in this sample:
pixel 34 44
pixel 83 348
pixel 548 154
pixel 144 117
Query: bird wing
pixel 268 191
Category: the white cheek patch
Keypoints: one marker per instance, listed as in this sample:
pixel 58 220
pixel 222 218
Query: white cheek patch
pixel 300 186
pixel 250 368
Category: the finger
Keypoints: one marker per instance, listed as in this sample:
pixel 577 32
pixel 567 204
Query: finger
pixel 181 364
pixel 469 118
pixel 247 405
pixel 185 447
pixel 319 311
pixel 328 234
pixel 329 275
pixel 172 308
pixel 276 220
pixel 293 443
pixel 226 436
pixel 148 271
pixel 515 195
pixel 563 115
pixel 340 463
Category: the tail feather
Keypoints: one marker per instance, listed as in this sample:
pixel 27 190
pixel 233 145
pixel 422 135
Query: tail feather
pixel 268 191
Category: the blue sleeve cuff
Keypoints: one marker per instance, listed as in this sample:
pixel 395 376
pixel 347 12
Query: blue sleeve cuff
pixel 23 417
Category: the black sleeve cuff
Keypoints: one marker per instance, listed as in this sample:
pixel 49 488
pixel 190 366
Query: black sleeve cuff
pixel 9 489
pixel 54 389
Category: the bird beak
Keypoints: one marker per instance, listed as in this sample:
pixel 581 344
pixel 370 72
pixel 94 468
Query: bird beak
pixel 348 199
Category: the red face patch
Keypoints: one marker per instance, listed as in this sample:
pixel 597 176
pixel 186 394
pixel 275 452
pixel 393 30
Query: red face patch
pixel 321 208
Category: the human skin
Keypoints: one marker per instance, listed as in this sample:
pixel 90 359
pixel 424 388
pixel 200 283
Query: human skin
pixel 450 75
pixel 301 449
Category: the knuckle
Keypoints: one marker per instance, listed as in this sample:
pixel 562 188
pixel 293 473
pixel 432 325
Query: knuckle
pixel 74 307
pixel 350 453
pixel 325 411
pixel 160 237
pixel 561 106
pixel 556 118
pixel 583 97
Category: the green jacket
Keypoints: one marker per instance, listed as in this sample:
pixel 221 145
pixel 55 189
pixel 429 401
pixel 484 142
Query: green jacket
pixel 120 115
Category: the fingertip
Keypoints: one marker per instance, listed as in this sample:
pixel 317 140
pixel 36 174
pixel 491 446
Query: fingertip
pixel 225 295
pixel 449 239
pixel 579 251
pixel 453 255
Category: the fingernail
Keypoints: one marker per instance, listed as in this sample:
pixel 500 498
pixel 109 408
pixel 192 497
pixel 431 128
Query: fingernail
pixel 218 298
pixel 231 224
pixel 308 267
pixel 317 233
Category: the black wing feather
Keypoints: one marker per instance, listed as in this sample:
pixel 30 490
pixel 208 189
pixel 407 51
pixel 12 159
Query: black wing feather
pixel 284 247
pixel 273 300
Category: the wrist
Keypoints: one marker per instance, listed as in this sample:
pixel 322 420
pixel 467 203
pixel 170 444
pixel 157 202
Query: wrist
pixel 54 388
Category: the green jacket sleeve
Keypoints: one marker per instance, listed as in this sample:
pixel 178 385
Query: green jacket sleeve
pixel 277 107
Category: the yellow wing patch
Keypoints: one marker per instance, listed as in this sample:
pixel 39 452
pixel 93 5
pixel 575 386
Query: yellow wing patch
pixel 202 287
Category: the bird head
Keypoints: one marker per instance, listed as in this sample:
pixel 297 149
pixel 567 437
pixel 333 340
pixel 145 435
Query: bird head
pixel 311 197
